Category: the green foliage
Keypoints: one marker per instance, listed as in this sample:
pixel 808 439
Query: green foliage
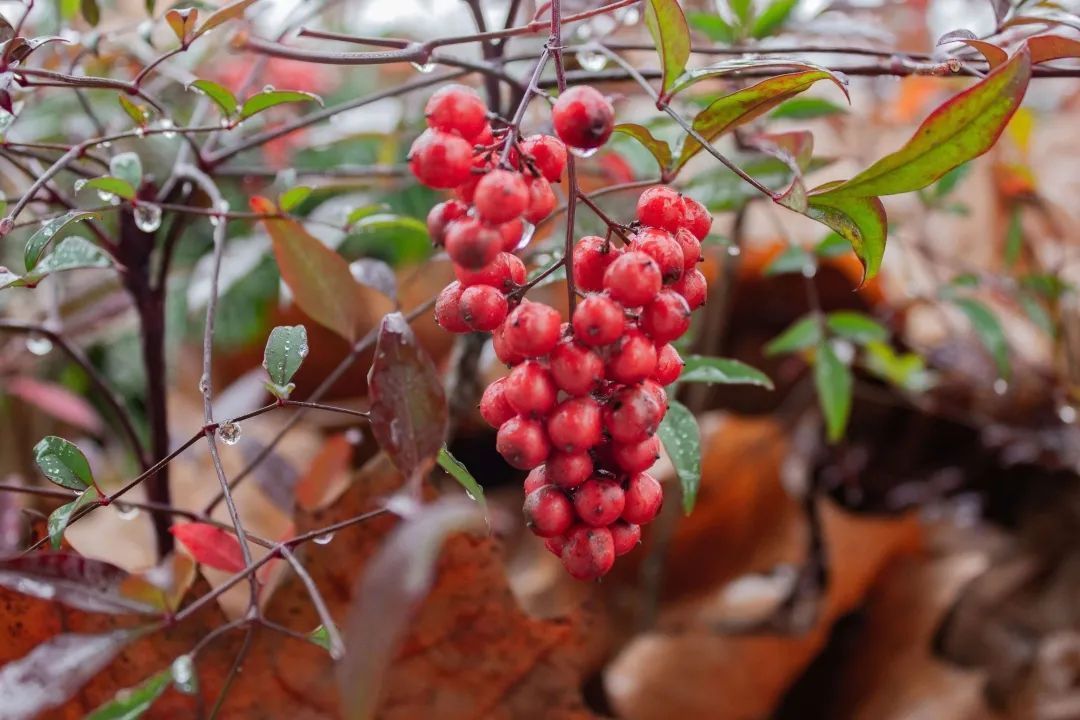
pixel 834 384
pixel 457 470
pixel 63 463
pixel 682 439
pixel 725 371
pixel 669 31
pixel 286 349
pixel 989 331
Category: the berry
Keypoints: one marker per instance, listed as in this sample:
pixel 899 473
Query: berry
pixel 448 309
pixel 667 317
pixel 547 511
pixel 522 443
pixel 598 320
pixel 530 389
pixel 583 118
pixel 517 269
pixel 511 233
pixel 632 415
pixel 693 287
pixel 442 215
pixel 555 545
pixel 636 457
pixel 496 273
pixel 536 478
pixel 472 244
pixel 483 307
pixel 548 153
pixel 440 160
pixel 592 255
pixel 633 279
pixel 599 501
pixel 669 365
pixel 501 196
pixel 661 207
pixel 493 405
pixel 588 552
pixel 575 425
pixel 632 359
pixel 485 137
pixel 643 498
pixel 456 108
pixel 503 351
pixel 568 469
pixel 657 391
pixel 625 537
pixel 691 248
pixel 696 218
pixel 577 369
pixel 661 247
pixel 532 329
pixel 541 200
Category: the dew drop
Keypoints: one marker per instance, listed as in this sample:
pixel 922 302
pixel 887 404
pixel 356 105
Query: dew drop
pixel 734 251
pixel 183 674
pixel 631 16
pixel 106 145
pixel 38 344
pixel 204 385
pixel 323 539
pixel 106 197
pixel 425 68
pixel 226 123
pixel 166 126
pixel 809 270
pixel 844 350
pixel 592 61
pixel 584 153
pixel 354 436
pixel 268 88
pixel 229 432
pixel 1001 386
pixel 126 512
pixel 147 217
pixel 1067 413
pixel 527 232
pixel 80 184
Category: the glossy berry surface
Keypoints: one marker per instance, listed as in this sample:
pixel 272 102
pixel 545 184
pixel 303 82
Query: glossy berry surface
pixel 440 159
pixel 588 552
pixel 599 501
pixel 483 307
pixel 522 442
pixel 583 118
pixel 532 329
pixel 548 512
pixel 598 320
pixel 456 108
pixel 472 244
pixel 592 256
pixel 501 196
pixel 633 279
pixel 548 153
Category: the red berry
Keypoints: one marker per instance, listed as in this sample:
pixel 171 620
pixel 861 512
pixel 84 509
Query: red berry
pixel 667 317
pixel 511 233
pixel 503 351
pixel 541 200
pixel 532 329
pixel 472 244
pixel 522 443
pixel 483 308
pixel 661 247
pixel 636 457
pixel 599 501
pixel 485 138
pixel 696 218
pixel 592 255
pixel 632 415
pixel 583 118
pixel 691 248
pixel 589 552
pixel 555 545
pixel 456 108
pixel 669 365
pixel 536 478
pixel 661 207
pixel 496 273
pixel 448 309
pixel 575 425
pixel 598 320
pixel 643 498
pixel 501 196
pixel 693 287
pixel 517 269
pixel 493 405
pixel 632 359
pixel 467 190
pixel 442 215
pixel 568 470
pixel 633 279
pixel 547 511
pixel 577 369
pixel 625 537
pixel 440 159
pixel 548 153
pixel 530 389
pixel 658 392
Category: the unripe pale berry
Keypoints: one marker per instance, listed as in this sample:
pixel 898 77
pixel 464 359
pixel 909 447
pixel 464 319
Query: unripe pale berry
pixel 633 279
pixel 592 255
pixel 503 351
pixel 669 365
pixel 530 389
pixel 583 118
pixel 448 309
pixel 661 247
pixel 532 329
pixel 599 501
pixel 483 307
pixel 642 498
pixel 666 318
pixel 522 443
pixel 588 552
pixel 661 207
pixel 577 369
pixel 548 512
pixel 632 358
pixel 501 196
pixel 632 415
pixel 693 287
pixel 548 153
pixel 575 425
pixel 691 248
pixel 568 469
pixel 625 537
pixel 636 457
pixel 442 215
pixel 472 244
pixel 598 320
pixel 456 108
pixel 493 405
pixel 440 159
pixel 696 218
pixel 541 200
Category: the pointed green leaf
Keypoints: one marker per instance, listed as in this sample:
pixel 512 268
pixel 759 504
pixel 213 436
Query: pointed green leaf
pixel 715 27
pixel 291 198
pixel 658 148
pixel 72 253
pixel 220 94
pixel 669 31
pixel 61 516
pixel 321 637
pixel 859 220
pixel 63 463
pixel 743 9
pixel 907 370
pixel 47 232
pixel 682 439
pixel 725 371
pixel 128 167
pixel 459 472
pixel 989 332
pixel 806 109
pixel 757 64
pixel 772 17
pixel 109 185
pixel 138 113
pixel 131 703
pixel 90 11
pixel 286 349
pixel 856 326
pixel 834 385
pixel 794 259
pixel 270 98
pixel 802 334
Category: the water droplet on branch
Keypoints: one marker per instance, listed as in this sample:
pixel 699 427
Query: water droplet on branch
pixel 229 432
pixel 147 217
pixel 38 344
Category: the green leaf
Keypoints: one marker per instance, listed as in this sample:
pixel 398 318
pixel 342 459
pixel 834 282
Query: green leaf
pixel 961 129
pixel 671 35
pixel 320 636
pixel 220 94
pixel 293 197
pixel 1014 237
pixel 906 371
pixel 834 383
pixel 743 9
pixel 989 332
pixel 950 180
pixel 774 15
pixel 41 238
pixel 128 167
pixel 682 439
pixel 459 472
pixel 229 12
pixel 725 371
pixel 1037 313
pixel 396 239
pixel 108 185
pixel 758 65
pixel 63 463
pixel 794 259
pixel 90 11
pixel 131 703
pixel 715 27
pixel 856 326
pixel 139 113
pixel 832 245
pixel 267 99
pixel 658 148
pixel 61 516
pixel 286 349
pixel 859 220
pixel 806 109
pixel 802 334
pixel 72 253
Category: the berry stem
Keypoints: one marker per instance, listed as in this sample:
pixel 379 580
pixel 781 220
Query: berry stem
pixel 555 46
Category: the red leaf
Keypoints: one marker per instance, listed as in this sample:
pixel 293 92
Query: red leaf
pixel 210 545
pixel 1045 48
pixel 328 474
pixel 57 401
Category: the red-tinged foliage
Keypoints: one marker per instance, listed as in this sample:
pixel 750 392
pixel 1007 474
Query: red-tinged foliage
pixel 210 545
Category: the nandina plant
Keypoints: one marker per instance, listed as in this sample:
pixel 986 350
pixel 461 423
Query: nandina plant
pixel 594 284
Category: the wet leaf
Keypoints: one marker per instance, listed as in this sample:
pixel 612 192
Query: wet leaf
pixel 1045 48
pixel 267 99
pixel 110 185
pixel 859 220
pixel 182 21
pixel 408 403
pixel 395 239
pixel 131 703
pixel 806 109
pixel 856 326
pixel 396 580
pixel 904 370
pixel 989 331
pixel 285 350
pixel 667 26
pixel 72 253
pixel 375 274
pixel 63 463
pixel 90 11
pixel 725 371
pixel 229 12
pixel 76 581
pixel 138 113
pixel 772 18
pixel 715 27
pixel 457 470
pixel 210 545
pixel 55 670
pixel 780 64
pixel 834 385
pixel 293 197
pixel 803 334
pixel 128 167
pixel 219 94
pixel 657 148
pixel 41 238
pixel 61 516
pixel 682 439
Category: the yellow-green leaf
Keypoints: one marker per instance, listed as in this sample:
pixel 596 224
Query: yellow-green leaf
pixel 269 98
pixel 658 148
pixel 859 220
pixel 229 12
pixel 220 94
pixel 669 31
